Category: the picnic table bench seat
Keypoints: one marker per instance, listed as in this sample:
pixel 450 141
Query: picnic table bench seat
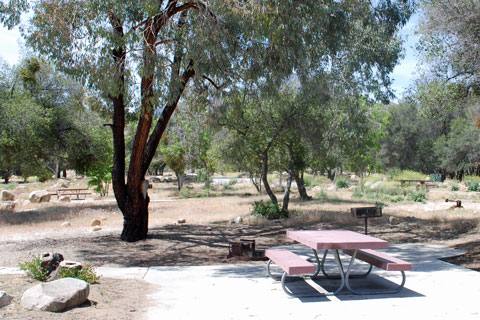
pixel 383 261
pixel 290 263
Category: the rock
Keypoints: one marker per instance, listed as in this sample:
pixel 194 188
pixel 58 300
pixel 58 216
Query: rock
pixel 96 228
pixel 238 220
pixel 61 183
pixel 393 220
pixel 39 196
pixel 6 196
pixel 66 224
pixel 232 220
pixel 278 188
pixel 155 180
pixel 5 299
pixel 55 275
pixel 7 206
pixel 95 222
pixel 181 220
pixel 64 199
pixel 70 265
pixel 56 296
pixel 332 188
pixel 376 185
pixel 51 261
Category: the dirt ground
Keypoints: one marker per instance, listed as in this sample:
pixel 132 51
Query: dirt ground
pixel 204 238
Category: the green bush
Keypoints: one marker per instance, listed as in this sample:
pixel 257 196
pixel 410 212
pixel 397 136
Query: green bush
pixel 268 210
pixel 418 196
pixel 34 268
pixel 321 195
pixel 357 193
pixel 342 183
pixel 201 175
pixel 472 186
pixel 454 188
pixel 86 274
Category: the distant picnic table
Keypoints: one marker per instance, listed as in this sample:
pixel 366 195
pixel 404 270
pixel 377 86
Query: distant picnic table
pixel 423 183
pixel 79 193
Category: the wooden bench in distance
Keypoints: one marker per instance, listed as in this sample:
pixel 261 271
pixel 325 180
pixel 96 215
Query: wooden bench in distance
pixel 383 261
pixel 290 263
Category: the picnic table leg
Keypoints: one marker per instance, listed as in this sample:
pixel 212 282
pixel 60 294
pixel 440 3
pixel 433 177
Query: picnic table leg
pixel 359 292
pixel 338 276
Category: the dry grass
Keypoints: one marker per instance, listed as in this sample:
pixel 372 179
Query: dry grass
pixel 167 206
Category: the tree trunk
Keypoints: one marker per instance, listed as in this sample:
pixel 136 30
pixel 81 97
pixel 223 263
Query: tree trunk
pixel 268 190
pixel 286 195
pixel 207 174
pixel 301 186
pixel 135 214
pixel 132 197
pixel 258 186
pixel 330 174
pixel 57 169
pixel 64 173
pixel 179 180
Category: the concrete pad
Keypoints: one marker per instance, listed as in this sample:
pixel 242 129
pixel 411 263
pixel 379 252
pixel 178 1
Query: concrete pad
pixel 433 290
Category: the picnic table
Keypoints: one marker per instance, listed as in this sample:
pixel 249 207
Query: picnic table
pixel 79 193
pixel 422 182
pixel 354 244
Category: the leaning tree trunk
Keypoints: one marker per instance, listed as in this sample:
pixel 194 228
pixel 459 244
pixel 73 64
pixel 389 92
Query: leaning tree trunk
pixel 286 195
pixel 301 186
pixel 268 190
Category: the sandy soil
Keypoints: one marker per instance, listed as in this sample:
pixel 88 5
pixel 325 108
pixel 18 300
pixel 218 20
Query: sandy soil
pixel 205 238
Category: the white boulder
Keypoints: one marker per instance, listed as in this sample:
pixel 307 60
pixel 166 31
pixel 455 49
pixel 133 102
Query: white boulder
pixel 376 185
pixel 62 183
pixel 57 295
pixel 39 196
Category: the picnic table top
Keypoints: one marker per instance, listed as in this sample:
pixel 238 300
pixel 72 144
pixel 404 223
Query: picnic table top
pixel 72 189
pixel 336 239
pixel 413 180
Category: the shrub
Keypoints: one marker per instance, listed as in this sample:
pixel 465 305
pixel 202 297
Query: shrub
pixel 454 188
pixel 201 175
pixel 86 274
pixel 268 210
pixel 342 183
pixel 357 193
pixel 321 195
pixel 34 268
pixel 418 196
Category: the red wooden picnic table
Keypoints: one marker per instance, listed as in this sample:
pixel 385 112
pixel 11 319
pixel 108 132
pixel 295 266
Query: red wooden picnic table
pixel 336 240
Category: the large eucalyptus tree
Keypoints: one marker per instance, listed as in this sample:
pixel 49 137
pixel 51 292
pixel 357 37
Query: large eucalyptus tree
pixel 142 54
